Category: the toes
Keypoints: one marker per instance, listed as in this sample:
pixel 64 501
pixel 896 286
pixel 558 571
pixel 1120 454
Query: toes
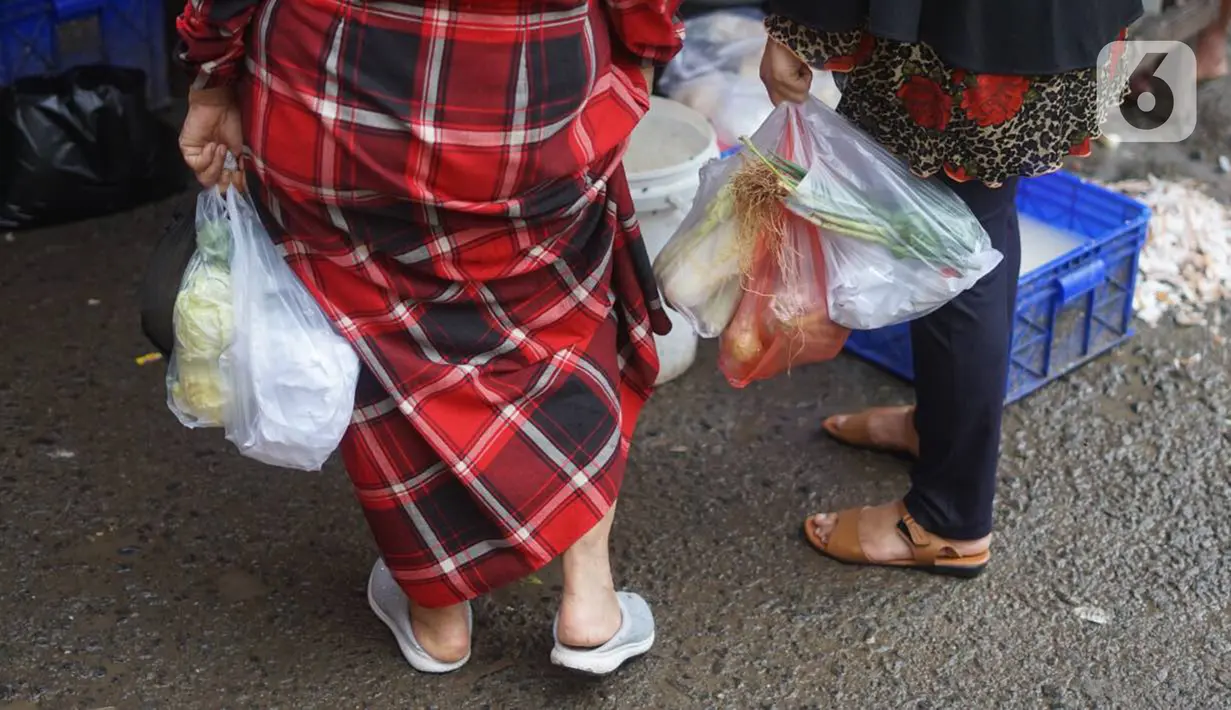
pixel 823 524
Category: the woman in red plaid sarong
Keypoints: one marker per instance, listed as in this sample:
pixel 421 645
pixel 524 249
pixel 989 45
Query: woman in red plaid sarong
pixel 446 178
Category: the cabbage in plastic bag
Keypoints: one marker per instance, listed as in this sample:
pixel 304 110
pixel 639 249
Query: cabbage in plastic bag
pixel 698 270
pixel 204 327
pixel 197 392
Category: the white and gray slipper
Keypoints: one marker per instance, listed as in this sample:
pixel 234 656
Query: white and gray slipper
pixel 392 607
pixel 634 638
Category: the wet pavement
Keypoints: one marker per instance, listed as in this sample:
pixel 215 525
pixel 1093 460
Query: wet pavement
pixel 146 566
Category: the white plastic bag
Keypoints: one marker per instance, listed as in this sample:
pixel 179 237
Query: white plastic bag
pixel 254 353
pixel 868 291
pixel 725 42
pixel 718 73
pixel 292 376
pixel 897 247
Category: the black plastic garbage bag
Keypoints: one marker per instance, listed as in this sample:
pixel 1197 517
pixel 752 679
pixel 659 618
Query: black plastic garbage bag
pixel 160 285
pixel 82 144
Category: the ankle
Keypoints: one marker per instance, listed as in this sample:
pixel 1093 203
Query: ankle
pixel 587 573
pixel 447 648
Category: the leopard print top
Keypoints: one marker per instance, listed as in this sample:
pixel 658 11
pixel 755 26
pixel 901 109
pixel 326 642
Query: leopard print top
pixel 986 127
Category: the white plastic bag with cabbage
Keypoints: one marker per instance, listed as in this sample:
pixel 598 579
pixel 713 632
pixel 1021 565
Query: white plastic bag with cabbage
pixel 254 353
pixel 700 269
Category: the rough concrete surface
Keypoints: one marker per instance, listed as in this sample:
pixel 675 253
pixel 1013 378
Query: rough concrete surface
pixel 147 566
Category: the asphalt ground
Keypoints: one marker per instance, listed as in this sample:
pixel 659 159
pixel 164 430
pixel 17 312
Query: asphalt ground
pixel 148 566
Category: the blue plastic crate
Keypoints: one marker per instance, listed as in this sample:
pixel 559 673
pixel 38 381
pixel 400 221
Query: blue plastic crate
pixel 1070 310
pixel 50 36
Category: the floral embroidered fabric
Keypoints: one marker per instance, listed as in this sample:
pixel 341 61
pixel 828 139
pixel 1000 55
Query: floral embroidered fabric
pixel 987 127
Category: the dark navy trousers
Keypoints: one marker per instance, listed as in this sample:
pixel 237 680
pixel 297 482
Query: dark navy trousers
pixel 961 358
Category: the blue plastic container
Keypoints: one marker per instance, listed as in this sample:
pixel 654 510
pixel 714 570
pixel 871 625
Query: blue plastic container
pixel 50 36
pixel 1070 310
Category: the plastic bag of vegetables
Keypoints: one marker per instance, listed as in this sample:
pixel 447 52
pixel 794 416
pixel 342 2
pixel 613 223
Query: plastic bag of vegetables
pixel 254 353
pixel 782 319
pixel 897 247
pixel 699 269
pixel 203 322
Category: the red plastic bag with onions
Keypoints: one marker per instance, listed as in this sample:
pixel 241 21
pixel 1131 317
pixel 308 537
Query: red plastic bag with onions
pixel 782 320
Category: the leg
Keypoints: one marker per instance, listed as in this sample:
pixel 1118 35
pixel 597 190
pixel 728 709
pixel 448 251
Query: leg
pixel 390 467
pixel 589 612
pixel 962 361
pixel 961 364
pixel 1212 45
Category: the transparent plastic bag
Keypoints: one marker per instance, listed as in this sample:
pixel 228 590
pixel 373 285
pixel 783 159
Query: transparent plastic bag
pixel 704 267
pixel 782 320
pixel 291 376
pixel 203 322
pixel 698 270
pixel 898 247
pixel 718 73
pixel 253 353
pixel 725 42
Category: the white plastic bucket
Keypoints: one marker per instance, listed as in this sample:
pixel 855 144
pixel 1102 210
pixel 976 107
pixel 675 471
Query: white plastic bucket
pixel 663 162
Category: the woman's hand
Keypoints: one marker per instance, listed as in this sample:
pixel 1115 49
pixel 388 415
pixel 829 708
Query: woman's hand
pixel 211 129
pixel 785 75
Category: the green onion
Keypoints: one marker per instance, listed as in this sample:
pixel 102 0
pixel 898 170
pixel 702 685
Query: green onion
pixel 904 235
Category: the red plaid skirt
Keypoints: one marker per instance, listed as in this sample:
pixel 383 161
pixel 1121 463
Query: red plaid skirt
pixel 449 185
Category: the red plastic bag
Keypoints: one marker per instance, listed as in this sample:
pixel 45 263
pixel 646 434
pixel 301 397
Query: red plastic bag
pixel 783 319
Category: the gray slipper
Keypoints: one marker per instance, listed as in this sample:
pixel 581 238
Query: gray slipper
pixel 391 606
pixel 634 638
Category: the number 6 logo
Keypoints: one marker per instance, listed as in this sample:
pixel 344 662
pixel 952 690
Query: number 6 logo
pixel 1163 77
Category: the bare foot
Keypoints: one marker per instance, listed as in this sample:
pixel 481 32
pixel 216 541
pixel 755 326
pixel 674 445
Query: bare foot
pixel 888 428
pixel 1211 53
pixel 880 539
pixel 443 633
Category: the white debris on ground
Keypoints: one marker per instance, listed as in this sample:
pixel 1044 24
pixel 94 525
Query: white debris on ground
pixel 1093 614
pixel 1186 263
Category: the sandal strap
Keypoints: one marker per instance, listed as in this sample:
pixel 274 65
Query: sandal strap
pixel 844 540
pixel 925 547
pixel 856 428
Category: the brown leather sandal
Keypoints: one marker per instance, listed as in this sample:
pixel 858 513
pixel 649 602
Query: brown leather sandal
pixel 854 430
pixel 930 553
